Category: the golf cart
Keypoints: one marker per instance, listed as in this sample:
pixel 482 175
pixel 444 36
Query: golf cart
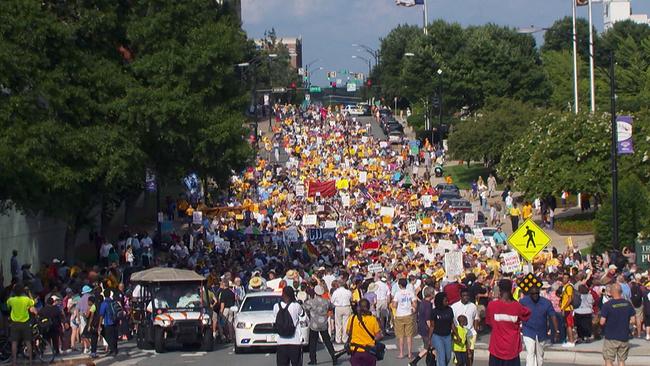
pixel 171 305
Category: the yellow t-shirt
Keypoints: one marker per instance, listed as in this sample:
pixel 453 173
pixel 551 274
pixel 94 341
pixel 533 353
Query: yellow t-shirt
pixel 20 306
pixel 460 345
pixel 527 212
pixel 359 335
pixel 515 211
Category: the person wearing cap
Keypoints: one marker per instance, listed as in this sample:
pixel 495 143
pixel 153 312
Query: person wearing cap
pixel 505 316
pixel 84 310
pixel 54 314
pixel 316 306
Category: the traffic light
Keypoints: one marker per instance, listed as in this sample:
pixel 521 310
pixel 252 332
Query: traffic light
pixel 333 84
pixel 369 82
pixel 293 85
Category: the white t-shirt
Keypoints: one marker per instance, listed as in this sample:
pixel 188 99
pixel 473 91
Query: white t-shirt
pixel 469 310
pixel 341 297
pixel 295 310
pixel 382 291
pixel 404 299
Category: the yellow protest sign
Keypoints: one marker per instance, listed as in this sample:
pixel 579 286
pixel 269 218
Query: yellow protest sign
pixel 529 239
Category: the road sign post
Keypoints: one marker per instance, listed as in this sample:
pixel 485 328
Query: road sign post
pixel 529 240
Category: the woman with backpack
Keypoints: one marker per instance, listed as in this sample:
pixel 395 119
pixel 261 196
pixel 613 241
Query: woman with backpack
pixel 364 333
pixel 287 317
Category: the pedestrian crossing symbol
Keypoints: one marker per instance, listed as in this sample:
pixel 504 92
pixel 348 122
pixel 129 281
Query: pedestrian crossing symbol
pixel 529 239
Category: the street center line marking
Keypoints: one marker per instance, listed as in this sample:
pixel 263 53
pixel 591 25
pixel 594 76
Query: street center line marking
pixel 197 354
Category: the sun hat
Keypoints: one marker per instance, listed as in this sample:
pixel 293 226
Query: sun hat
pixel 372 287
pixel 319 290
pixel 255 282
pixel 86 290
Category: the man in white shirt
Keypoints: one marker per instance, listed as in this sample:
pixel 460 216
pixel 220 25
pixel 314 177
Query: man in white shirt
pixel 341 299
pixel 289 350
pixel 383 299
pixel 405 303
pixel 104 250
pixel 470 311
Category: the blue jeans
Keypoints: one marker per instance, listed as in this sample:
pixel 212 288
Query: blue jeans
pixel 443 349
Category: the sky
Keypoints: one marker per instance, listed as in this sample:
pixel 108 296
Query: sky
pixel 329 27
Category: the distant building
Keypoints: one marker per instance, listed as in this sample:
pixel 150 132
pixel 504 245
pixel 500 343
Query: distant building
pixel 294 46
pixel 620 10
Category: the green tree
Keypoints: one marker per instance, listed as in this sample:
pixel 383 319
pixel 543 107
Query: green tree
pixel 63 151
pixel 393 47
pixel 559 37
pixel 186 101
pixel 633 210
pixel 484 136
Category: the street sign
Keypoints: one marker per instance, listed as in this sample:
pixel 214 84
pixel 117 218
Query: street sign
pixel 315 89
pixel 279 90
pixel 307 97
pixel 529 282
pixel 351 87
pixel 529 239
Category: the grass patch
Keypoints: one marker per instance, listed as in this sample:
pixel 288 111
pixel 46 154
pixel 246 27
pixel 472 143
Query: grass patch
pixel 463 175
pixel 582 223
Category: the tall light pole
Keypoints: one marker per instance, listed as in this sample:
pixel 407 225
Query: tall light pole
pixel 366 60
pixel 592 83
pixel 271 56
pixel 439 104
pixel 613 151
pixel 371 51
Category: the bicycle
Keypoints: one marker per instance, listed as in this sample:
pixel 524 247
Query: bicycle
pixel 40 347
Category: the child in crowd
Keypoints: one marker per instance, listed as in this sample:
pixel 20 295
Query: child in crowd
pixel 460 341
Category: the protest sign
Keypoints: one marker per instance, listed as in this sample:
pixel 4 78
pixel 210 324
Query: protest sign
pixel 197 217
pixel 453 264
pixel 387 211
pixel 412 227
pixel 469 219
pixel 510 262
pixel 308 220
pixel 363 177
pixel 300 190
pixel 375 268
pixel 316 235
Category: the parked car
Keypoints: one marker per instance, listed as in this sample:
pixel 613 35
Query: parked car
pixel 254 322
pixel 448 195
pixel 395 137
pixel 353 110
pixel 459 205
pixel 446 187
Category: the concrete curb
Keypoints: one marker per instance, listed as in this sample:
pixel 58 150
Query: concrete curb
pixel 571 358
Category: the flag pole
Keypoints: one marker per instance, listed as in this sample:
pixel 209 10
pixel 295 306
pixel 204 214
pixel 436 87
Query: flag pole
pixel 592 86
pixel 575 59
pixel 426 17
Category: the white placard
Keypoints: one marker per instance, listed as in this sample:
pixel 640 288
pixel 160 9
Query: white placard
pixel 375 268
pixel 291 235
pixel 300 190
pixel 308 220
pixel 469 219
pixel 383 144
pixel 364 139
pixel 319 140
pixel 197 217
pixel 387 211
pixel 345 200
pixel 412 227
pixel 320 208
pixel 478 234
pixel 426 201
pixel 453 264
pixel 444 244
pixel 330 224
pixel 510 262
pixel 363 177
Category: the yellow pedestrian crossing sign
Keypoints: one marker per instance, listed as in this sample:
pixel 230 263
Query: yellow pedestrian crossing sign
pixel 529 239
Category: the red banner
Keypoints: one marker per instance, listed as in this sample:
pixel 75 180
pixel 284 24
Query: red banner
pixel 326 189
pixel 370 245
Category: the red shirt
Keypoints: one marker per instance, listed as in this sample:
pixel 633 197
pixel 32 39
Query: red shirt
pixel 453 292
pixel 505 319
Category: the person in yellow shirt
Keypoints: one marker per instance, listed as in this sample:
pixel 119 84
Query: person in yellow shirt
pixel 20 305
pixel 460 341
pixel 515 212
pixel 527 211
pixel 364 331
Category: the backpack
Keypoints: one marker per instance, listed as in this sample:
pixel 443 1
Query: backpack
pixel 636 296
pixel 577 298
pixel 44 325
pixel 116 310
pixel 284 325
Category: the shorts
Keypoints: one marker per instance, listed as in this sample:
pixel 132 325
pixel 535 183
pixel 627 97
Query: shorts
pixel 613 349
pixel 471 342
pixel 495 361
pixel 639 313
pixel 228 315
pixel 21 332
pixel 404 326
pixel 82 323
pixel 570 321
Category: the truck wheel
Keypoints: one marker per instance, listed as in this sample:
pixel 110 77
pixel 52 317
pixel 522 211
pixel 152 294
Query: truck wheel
pixel 207 344
pixel 159 340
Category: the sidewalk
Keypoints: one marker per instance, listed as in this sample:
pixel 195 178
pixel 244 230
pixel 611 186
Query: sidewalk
pixel 582 354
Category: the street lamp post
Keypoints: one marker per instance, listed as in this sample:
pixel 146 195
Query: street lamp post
pixel 371 51
pixel 439 104
pixel 366 60
pixel 613 151
pixel 271 98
